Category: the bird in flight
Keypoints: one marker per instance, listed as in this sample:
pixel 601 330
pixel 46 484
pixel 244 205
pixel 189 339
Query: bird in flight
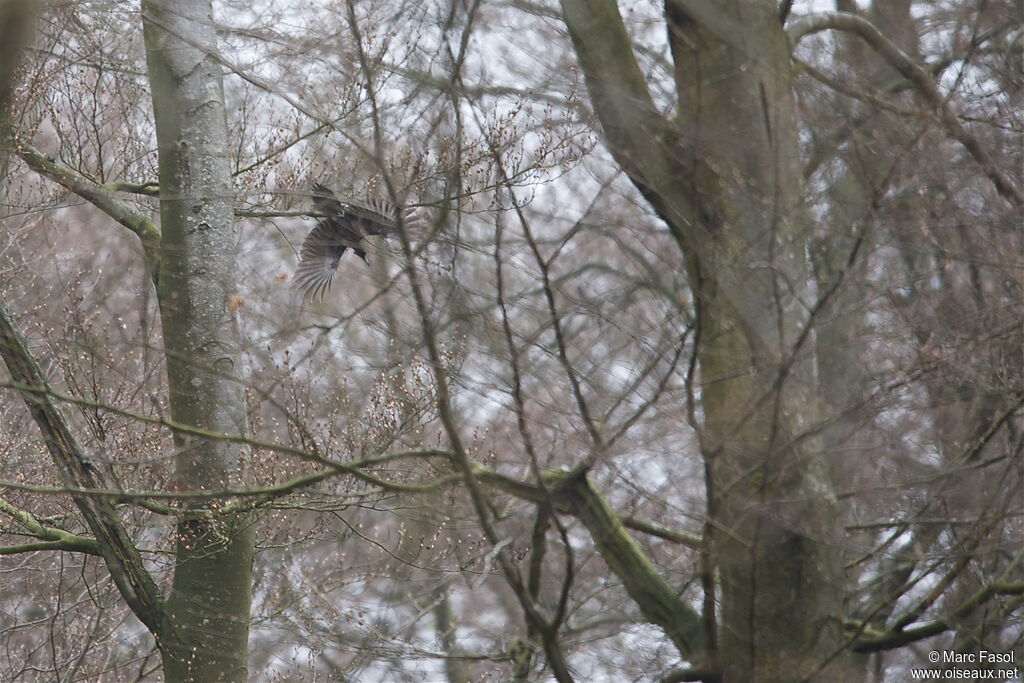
pixel 344 227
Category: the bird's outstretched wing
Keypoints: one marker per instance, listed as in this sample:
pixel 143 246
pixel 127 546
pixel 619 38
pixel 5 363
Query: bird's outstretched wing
pixel 344 226
pixel 318 261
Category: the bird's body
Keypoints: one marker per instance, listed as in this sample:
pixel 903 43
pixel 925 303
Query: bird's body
pixel 344 227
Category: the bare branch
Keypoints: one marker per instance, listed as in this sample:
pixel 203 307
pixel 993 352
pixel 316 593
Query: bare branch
pixel 119 553
pixel 844 21
pixel 52 537
pixel 100 196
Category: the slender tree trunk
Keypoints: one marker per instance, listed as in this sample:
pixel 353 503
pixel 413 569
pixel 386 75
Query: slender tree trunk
pixel 207 617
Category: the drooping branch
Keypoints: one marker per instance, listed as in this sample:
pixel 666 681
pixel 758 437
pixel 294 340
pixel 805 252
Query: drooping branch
pixel 122 558
pixel 918 77
pixel 842 133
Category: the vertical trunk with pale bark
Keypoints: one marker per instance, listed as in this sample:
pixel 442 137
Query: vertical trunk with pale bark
pixel 207 617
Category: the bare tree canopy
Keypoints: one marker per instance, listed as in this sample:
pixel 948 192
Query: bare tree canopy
pixel 687 342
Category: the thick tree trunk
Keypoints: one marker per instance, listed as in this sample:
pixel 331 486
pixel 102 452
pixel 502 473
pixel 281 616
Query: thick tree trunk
pixel 207 620
pixel 780 573
pixel 725 175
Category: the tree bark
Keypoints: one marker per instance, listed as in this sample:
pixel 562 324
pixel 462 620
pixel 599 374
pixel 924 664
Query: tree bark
pixel 112 541
pixel 659 602
pixel 207 616
pixel 725 176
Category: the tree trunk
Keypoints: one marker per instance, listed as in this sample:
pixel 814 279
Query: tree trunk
pixel 207 616
pixel 725 175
